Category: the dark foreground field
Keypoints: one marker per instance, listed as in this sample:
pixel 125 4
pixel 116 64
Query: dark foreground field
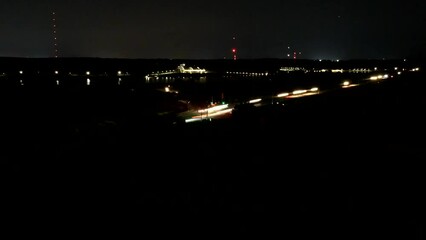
pixel 343 165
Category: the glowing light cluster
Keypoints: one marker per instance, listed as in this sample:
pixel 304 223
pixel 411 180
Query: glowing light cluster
pixel 213 109
pixel 211 112
pixel 182 69
pixel 379 77
pixel 348 84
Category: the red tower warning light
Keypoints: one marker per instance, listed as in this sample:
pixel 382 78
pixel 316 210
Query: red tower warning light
pixel 234 52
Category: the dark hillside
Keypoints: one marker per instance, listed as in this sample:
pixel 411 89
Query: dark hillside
pixel 346 164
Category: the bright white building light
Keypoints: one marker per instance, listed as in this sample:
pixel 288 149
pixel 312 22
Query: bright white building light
pixel 296 92
pixel 255 100
pixel 283 94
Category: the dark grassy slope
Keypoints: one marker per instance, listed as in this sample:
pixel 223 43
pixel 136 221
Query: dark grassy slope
pixel 343 164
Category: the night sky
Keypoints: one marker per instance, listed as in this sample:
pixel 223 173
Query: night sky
pixel 326 29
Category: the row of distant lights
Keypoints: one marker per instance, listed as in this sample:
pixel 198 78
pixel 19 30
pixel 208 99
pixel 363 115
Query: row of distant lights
pixel 373 78
pixel 88 81
pixel 345 84
pixel 248 73
pixel 294 93
pixel 379 77
pixel 259 74
pixel 87 73
pixel 289 69
pixel 299 92
pixel 338 60
pixel 174 71
pixel 165 71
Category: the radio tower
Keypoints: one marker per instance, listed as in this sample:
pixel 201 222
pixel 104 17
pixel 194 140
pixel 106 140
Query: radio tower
pixel 234 50
pixel 55 38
